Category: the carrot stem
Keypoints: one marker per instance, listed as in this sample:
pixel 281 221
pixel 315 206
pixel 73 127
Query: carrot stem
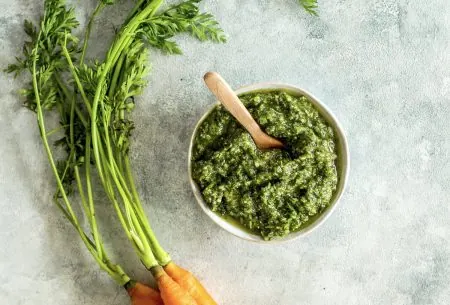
pixel 114 271
pixel 161 255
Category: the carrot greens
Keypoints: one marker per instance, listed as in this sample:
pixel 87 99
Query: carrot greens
pixel 93 100
pixel 48 92
pixel 310 6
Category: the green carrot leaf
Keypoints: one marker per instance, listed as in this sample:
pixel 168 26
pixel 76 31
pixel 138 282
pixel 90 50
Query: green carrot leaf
pixel 310 6
pixel 205 27
pixel 181 18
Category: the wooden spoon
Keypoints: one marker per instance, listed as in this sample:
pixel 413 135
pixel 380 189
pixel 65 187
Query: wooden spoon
pixel 220 88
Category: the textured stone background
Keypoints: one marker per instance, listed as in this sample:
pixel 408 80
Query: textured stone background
pixel 381 65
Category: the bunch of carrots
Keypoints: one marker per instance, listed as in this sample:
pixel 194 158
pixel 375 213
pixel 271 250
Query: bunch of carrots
pixel 93 100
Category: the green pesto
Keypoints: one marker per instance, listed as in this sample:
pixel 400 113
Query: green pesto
pixel 274 192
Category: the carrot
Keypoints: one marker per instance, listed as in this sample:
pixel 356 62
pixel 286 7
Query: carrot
pixel 190 283
pixel 171 291
pixel 141 294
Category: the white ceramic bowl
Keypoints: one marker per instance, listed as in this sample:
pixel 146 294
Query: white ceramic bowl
pixel 342 163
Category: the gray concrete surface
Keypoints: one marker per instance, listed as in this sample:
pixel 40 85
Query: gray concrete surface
pixel 383 67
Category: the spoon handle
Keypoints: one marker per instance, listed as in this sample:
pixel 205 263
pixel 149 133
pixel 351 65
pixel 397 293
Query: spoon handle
pixel 220 88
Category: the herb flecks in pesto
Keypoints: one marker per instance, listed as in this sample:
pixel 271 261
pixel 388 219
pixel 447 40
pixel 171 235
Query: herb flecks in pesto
pixel 273 192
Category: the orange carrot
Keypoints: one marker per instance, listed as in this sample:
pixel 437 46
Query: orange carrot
pixel 171 291
pixel 141 294
pixel 189 282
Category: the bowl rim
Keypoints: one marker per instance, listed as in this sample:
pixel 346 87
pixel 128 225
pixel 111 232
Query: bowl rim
pixel 344 157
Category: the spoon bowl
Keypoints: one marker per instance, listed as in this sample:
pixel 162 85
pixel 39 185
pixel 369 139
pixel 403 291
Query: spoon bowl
pixel 222 90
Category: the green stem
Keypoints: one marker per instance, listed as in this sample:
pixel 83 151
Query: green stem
pixel 120 278
pixel 110 192
pixel 75 77
pixel 124 37
pixel 161 255
pixel 109 189
pixel 121 179
pixel 81 190
pixel 125 66
pixel 132 222
pixel 131 214
pixel 115 78
pixel 53 131
pixel 105 166
pixel 139 243
pixel 64 211
pixel 119 160
pixel 67 95
pixel 42 129
pixel 74 159
pixel 128 183
pixel 133 229
pixel 87 34
pixel 135 10
pixel 92 218
pixel 77 174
